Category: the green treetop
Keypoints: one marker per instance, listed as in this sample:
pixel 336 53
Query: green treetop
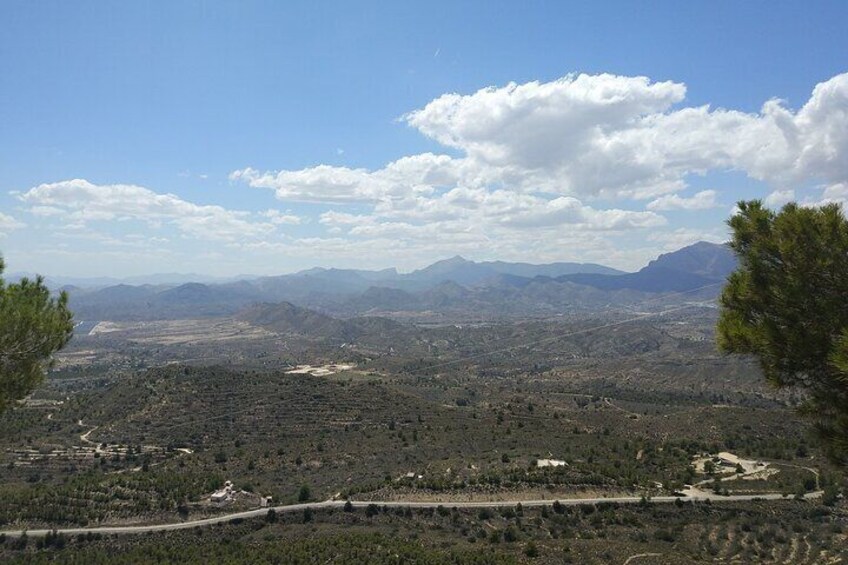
pixel 787 304
pixel 33 326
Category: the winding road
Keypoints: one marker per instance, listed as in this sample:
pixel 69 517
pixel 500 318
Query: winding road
pixel 259 512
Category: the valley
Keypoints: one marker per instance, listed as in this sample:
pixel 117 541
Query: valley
pixel 141 421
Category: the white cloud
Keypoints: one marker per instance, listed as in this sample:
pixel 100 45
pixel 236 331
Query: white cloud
pixel 532 155
pixel 566 210
pixel 778 198
pixel 8 223
pixel 461 208
pixel 614 136
pixel 836 192
pixel 324 183
pixel 46 211
pixel 821 129
pixel 277 218
pixel 532 162
pixel 557 137
pixel 536 124
pixel 681 237
pixel 571 168
pixel 700 201
pixel 830 194
pixel 81 202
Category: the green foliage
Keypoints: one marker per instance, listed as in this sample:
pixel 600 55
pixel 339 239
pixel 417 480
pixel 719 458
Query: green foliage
pixel 33 326
pixel 830 495
pixel 786 306
pixel 745 532
pixel 304 494
pixel 342 548
pixel 89 498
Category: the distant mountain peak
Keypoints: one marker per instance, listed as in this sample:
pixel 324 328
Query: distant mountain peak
pixel 457 268
pixel 455 260
pixel 701 264
pixel 713 260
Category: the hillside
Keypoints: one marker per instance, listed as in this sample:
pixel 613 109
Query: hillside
pixel 285 318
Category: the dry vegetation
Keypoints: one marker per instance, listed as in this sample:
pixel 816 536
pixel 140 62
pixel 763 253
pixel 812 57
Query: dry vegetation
pixel 628 410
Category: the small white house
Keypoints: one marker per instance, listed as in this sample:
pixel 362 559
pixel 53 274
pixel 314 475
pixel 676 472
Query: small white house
pixel 224 495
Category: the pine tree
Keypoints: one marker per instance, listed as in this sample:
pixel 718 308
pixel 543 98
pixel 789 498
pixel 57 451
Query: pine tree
pixel 33 326
pixel 787 304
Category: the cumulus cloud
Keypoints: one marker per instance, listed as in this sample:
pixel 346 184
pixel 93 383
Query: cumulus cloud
pixel 527 156
pixel 830 194
pixel 836 192
pixel 80 202
pixel 523 170
pixel 410 175
pixel 534 124
pixel 8 223
pixel 778 198
pixel 554 136
pixel 700 201
pixel 461 208
pixel 322 183
pixel 46 211
pixel 675 239
pixel 614 136
pixel 277 218
pixel 566 210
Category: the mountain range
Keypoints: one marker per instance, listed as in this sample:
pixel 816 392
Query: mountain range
pixel 452 288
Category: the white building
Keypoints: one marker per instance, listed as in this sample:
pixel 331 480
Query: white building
pixel 224 495
pixel 551 463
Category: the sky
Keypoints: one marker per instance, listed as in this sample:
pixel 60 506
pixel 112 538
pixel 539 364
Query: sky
pixel 228 138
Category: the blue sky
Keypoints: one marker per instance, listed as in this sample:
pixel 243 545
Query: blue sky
pixel 266 137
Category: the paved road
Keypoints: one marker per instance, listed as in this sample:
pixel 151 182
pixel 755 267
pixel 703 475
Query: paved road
pixel 259 512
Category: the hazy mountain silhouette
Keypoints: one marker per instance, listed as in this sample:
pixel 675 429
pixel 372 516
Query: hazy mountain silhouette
pixel 452 286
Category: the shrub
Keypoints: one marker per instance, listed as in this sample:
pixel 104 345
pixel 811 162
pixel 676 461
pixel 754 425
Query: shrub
pixel 531 550
pixel 304 494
